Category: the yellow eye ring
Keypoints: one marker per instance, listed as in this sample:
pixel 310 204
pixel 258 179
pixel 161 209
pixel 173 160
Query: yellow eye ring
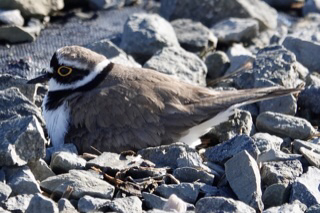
pixel 64 71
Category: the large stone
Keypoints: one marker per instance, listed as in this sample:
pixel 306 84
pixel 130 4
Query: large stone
pixel 42 204
pixel 82 184
pixel 11 17
pixel 210 12
pixel 40 170
pixel 62 162
pixel 217 64
pixel 145 34
pixel 188 192
pixel 39 8
pixel 284 125
pixel 233 30
pixel 296 207
pixel 276 195
pixel 265 141
pixel 130 204
pixel 194 36
pixel 306 187
pixel 243 175
pixel 21 180
pixel 190 175
pixel 280 172
pixel 174 156
pixel 106 4
pixel 68 147
pixel 221 204
pixel 65 206
pixel 5 191
pixel 153 201
pixel 113 53
pixel 226 150
pixel 18 203
pixel 178 62
pixel 88 204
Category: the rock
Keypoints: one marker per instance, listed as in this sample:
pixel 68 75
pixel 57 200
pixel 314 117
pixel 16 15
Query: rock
pixel 221 204
pixel 277 155
pixel 311 6
pixel 265 141
pixel 21 180
pixel 217 64
pixel 276 64
pixel 130 204
pixel 243 175
pixel 175 204
pixel 312 157
pixel 194 36
pixel 312 79
pixel 309 108
pixel 11 17
pixel 113 53
pixel 210 13
pixel 21 140
pixel 106 4
pixel 240 123
pixel 34 27
pixel 114 162
pixel 174 156
pixel 41 204
pixel 222 152
pixel 178 62
pixel 298 144
pixel 62 162
pixel 190 175
pixel 305 51
pixel 153 201
pixel 65 206
pixel 82 184
pixel 145 34
pixel 284 125
pixel 296 207
pixel 69 147
pixel 18 203
pixel 88 204
pixel 313 209
pixel 305 187
pixel 3 211
pixel 40 8
pixel 275 195
pixel 5 191
pixel 280 172
pixel 188 192
pixel 233 30
pixel 40 170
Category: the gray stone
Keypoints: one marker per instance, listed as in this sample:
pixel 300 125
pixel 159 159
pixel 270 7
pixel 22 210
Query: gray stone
pixel 41 204
pixel 306 187
pixel 222 152
pixel 15 34
pixel 88 203
pixel 175 204
pixel 313 79
pixel 265 141
pixel 296 207
pixel 309 108
pixel 65 206
pixel 145 34
pixel 210 12
pixel 277 155
pixel 18 203
pixel 62 162
pixel 3 211
pixel 113 53
pixel 22 140
pixel 178 62
pixel 243 175
pixel 312 157
pixel 174 156
pixel 221 204
pixel 40 170
pixel 194 36
pixel 69 147
pixel 11 17
pixel 106 4
pixel 115 162
pixel 275 195
pixel 82 184
pixel 298 144
pixel 305 51
pixel 21 180
pixel 217 64
pixel 239 123
pixel 280 172
pixel 130 204
pixel 314 209
pixel 284 125
pixel 311 6
pixel 153 201
pixel 190 175
pixel 5 192
pixel 188 192
pixel 39 8
pixel 233 30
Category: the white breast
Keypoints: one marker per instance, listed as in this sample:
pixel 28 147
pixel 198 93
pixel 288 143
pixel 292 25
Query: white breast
pixel 57 122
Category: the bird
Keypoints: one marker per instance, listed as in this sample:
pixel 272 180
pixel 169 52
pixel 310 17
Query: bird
pixel 94 103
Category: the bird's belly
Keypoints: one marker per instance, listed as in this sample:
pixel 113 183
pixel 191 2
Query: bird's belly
pixel 57 122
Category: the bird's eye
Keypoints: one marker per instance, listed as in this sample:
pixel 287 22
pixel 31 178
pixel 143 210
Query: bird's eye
pixel 64 71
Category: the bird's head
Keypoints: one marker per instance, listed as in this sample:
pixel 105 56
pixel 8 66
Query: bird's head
pixel 72 67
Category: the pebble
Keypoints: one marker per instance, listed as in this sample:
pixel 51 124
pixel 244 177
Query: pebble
pixel 217 64
pixel 266 142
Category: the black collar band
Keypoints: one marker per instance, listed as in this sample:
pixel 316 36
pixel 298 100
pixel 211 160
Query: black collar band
pixel 56 98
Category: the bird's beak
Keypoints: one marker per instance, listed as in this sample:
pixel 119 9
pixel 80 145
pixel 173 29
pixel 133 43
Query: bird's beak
pixel 40 79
